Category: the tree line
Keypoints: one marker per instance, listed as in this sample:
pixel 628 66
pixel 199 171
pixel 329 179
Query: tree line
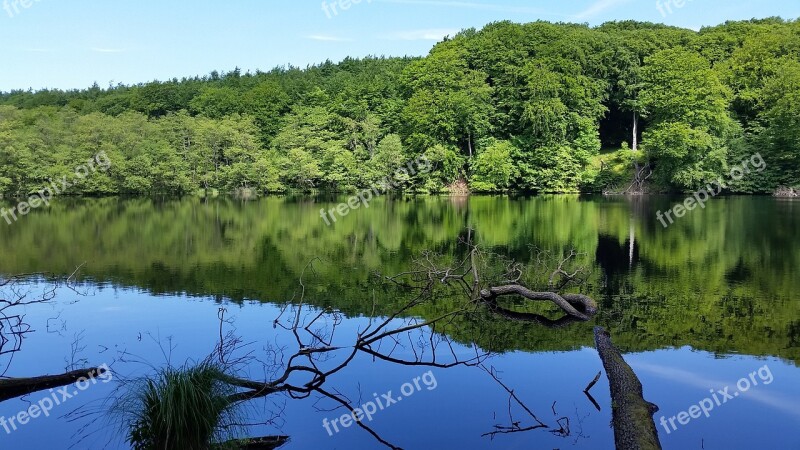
pixel 537 107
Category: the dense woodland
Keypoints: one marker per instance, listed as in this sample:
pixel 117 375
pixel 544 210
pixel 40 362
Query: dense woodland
pixel 538 107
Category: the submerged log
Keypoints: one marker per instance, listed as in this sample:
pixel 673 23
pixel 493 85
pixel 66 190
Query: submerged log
pixel 631 414
pixel 567 302
pixel 262 443
pixel 17 387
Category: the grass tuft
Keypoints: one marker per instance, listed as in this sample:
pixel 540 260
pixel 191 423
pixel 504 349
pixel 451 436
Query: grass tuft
pixel 179 408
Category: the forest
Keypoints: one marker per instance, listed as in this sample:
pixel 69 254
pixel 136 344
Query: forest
pixel 530 108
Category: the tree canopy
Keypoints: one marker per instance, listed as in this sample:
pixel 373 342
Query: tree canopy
pixel 512 107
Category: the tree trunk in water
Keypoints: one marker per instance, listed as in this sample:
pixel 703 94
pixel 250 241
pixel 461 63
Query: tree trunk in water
pixel 563 301
pixel 17 387
pixel 631 414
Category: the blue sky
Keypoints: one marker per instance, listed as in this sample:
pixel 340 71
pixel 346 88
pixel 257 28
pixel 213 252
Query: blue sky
pixel 61 44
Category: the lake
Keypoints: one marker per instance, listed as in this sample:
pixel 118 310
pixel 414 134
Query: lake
pixel 694 307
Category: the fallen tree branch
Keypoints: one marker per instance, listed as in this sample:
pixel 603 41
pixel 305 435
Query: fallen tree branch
pixel 515 426
pixel 593 382
pixel 563 301
pixel 589 387
pixel 17 387
pixel 631 414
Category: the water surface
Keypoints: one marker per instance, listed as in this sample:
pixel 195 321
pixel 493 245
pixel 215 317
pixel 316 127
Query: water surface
pixel 696 306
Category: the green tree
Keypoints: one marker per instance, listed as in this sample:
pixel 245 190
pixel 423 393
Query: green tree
pixel 449 100
pixel 687 106
pixel 493 169
pixel 780 117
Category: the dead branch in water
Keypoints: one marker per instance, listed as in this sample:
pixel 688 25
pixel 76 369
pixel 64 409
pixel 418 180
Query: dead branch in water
pixel 563 301
pixel 16 292
pixel 429 272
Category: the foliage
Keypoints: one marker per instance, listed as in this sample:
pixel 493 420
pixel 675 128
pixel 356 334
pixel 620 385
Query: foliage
pixel 554 93
pixel 688 108
pixel 493 168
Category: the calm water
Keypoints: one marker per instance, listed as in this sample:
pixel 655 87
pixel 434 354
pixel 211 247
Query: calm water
pixel 696 306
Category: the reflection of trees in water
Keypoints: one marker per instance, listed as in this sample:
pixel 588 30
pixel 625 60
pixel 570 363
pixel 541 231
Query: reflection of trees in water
pixel 16 294
pixel 615 261
pixel 483 280
pixel 308 366
pixel 669 295
pixel 316 357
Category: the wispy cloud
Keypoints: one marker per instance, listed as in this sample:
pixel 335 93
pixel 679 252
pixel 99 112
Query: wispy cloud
pixel 431 34
pixel 327 38
pixel 700 381
pixel 600 6
pixel 107 50
pixel 474 5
